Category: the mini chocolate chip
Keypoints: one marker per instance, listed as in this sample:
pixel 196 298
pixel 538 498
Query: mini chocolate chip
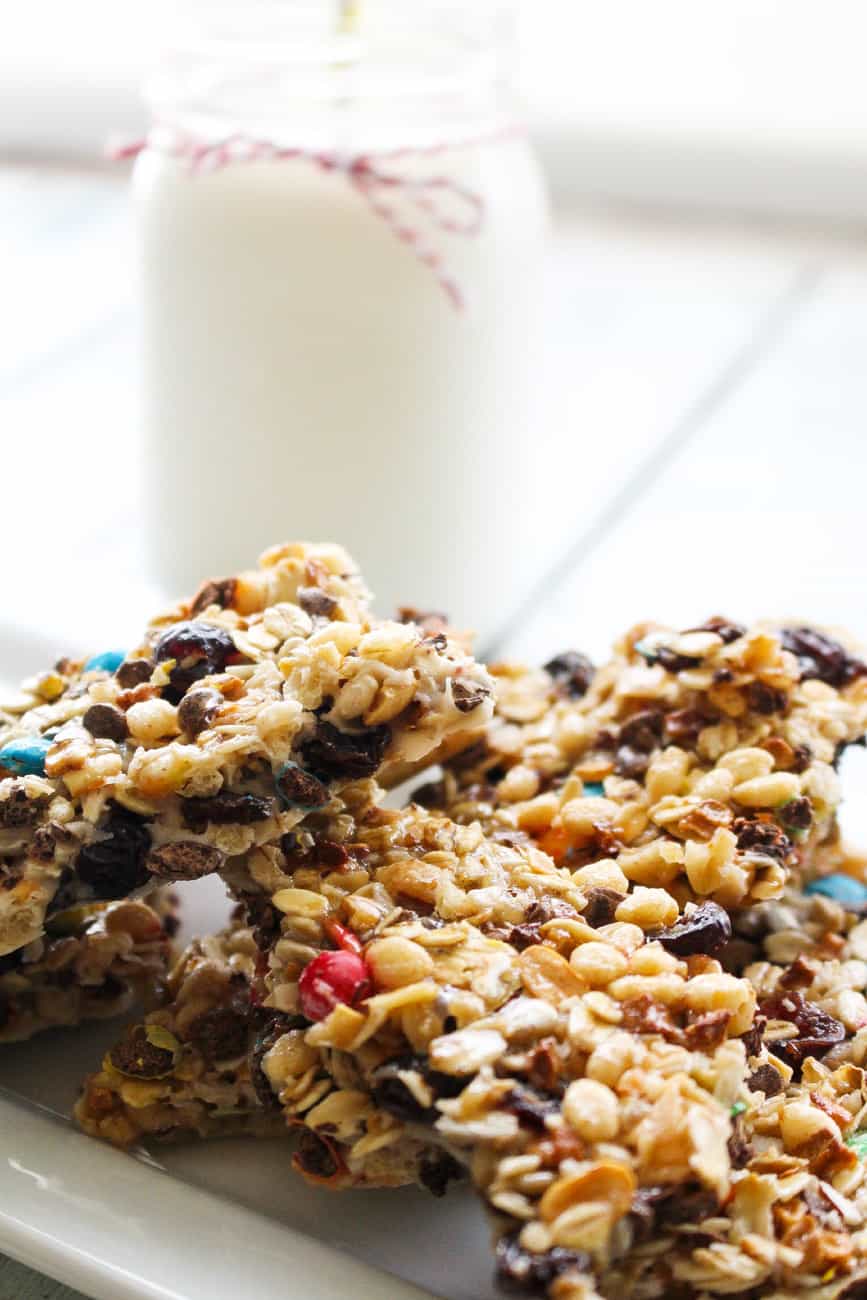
pixel 313 600
pixel 214 591
pixel 797 814
pixel 756 836
pixel 469 695
pixel 767 1080
pixel 601 905
pixel 224 809
pixel 198 709
pixel 572 672
pixel 342 755
pixel 186 860
pixel 703 930
pixel 133 672
pixel 105 722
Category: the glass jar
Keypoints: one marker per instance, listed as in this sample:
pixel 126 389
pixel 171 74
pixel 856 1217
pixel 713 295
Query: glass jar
pixel 341 225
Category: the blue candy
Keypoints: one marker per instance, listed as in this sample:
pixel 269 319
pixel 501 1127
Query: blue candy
pixel 843 889
pixel 26 757
pixel 594 789
pixel 108 662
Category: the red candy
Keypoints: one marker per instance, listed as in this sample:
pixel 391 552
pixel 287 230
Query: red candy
pixel 343 937
pixel 330 979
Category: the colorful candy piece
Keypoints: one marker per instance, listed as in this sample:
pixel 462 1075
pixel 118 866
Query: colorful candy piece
pixel 25 757
pixel 842 888
pixel 107 662
pixel 594 789
pixel 329 979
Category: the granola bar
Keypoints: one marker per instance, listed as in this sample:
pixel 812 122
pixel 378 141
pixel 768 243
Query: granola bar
pixel 239 712
pixel 701 763
pixel 92 963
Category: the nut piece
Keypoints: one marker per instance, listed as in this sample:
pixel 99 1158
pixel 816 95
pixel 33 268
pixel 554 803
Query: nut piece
pixel 395 962
pixel 591 1110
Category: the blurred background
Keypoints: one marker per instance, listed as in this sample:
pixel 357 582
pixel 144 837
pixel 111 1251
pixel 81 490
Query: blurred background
pixel 699 377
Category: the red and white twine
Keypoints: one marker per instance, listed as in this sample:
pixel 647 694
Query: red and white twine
pixel 370 175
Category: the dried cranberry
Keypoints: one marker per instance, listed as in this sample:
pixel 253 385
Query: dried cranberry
pixel 469 695
pixel 115 865
pixel 703 930
pixel 817 1031
pixel 332 979
pixel 224 809
pixel 341 755
pixel 820 656
pixel 571 671
pixel 199 649
pixel 723 628
pixel 524 1272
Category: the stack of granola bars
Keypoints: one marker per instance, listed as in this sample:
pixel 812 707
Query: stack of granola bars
pixel 608 962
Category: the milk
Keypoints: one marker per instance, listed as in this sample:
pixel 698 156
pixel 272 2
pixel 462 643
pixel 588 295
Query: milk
pixel 307 376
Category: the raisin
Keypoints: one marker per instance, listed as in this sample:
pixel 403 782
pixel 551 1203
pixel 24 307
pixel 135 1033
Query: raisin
pixel 134 672
pixel 469 695
pixel 766 699
pixel 299 789
pixel 105 722
pixel 797 814
pixel 276 1025
pixel 264 919
pixel 803 756
pixel 752 1039
pixel 572 672
pixel 316 1156
pixel 430 795
pixel 224 809
pixel 522 936
pixel 817 1031
pixel 690 1205
pixel 198 709
pixel 429 620
pixel 315 601
pixel 767 1080
pixel 220 1034
pixel 755 835
pixel 601 905
pixel 116 864
pixel 723 627
pixel 437 1169
pixel 199 650
pixel 703 930
pixel 392 1095
pixel 524 1272
pixel 820 656
pixel 185 860
pixel 644 1015
pixel 739 1148
pixel 683 726
pixel 643 731
pixel 671 661
pixel 341 755
pixel 214 591
pixel 631 763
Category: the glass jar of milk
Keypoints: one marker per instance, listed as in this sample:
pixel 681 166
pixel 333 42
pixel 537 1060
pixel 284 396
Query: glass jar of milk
pixel 341 224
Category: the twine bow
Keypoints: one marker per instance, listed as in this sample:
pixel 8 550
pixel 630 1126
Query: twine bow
pixel 441 202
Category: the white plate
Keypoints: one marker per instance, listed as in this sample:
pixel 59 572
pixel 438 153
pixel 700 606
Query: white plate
pixel 226 1219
